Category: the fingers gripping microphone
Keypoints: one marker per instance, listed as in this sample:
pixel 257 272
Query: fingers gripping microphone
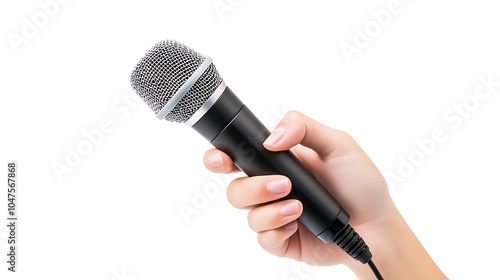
pixel 181 85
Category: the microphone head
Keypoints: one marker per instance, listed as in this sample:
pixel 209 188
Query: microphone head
pixel 164 69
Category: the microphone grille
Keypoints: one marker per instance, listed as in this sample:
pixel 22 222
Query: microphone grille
pixel 164 69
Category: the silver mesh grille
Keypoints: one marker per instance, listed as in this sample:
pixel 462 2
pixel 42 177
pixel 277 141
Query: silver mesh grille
pixel 164 69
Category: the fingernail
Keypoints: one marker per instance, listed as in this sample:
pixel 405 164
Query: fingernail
pixel 215 160
pixel 278 186
pixel 275 136
pixel 290 226
pixel 289 209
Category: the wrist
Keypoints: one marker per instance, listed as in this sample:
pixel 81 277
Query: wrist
pixel 396 251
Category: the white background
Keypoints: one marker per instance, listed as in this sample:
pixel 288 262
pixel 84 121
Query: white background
pixel 116 214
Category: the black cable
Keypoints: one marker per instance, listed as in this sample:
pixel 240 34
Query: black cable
pixel 350 242
pixel 375 270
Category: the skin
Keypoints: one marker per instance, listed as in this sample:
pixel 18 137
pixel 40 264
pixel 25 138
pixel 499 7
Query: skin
pixel 350 176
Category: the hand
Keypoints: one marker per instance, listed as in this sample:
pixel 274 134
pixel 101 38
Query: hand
pixel 349 175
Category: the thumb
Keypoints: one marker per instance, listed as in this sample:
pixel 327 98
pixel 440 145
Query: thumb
pixel 296 128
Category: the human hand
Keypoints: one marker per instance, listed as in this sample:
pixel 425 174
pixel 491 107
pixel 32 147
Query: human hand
pixel 340 164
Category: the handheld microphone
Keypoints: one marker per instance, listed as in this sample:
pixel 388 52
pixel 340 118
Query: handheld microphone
pixel 181 85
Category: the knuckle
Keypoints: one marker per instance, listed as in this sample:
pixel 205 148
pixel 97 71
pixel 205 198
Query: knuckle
pixel 232 194
pixel 344 136
pixel 251 221
pixel 293 115
pixel 265 240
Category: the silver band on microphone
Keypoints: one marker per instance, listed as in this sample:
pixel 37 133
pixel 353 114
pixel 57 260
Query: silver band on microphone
pixel 207 105
pixel 184 89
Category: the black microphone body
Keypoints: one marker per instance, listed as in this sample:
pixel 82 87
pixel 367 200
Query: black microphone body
pixel 231 127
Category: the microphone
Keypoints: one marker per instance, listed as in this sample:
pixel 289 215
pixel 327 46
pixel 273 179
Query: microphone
pixel 181 85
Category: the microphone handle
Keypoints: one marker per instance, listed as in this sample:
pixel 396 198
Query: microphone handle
pixel 231 127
